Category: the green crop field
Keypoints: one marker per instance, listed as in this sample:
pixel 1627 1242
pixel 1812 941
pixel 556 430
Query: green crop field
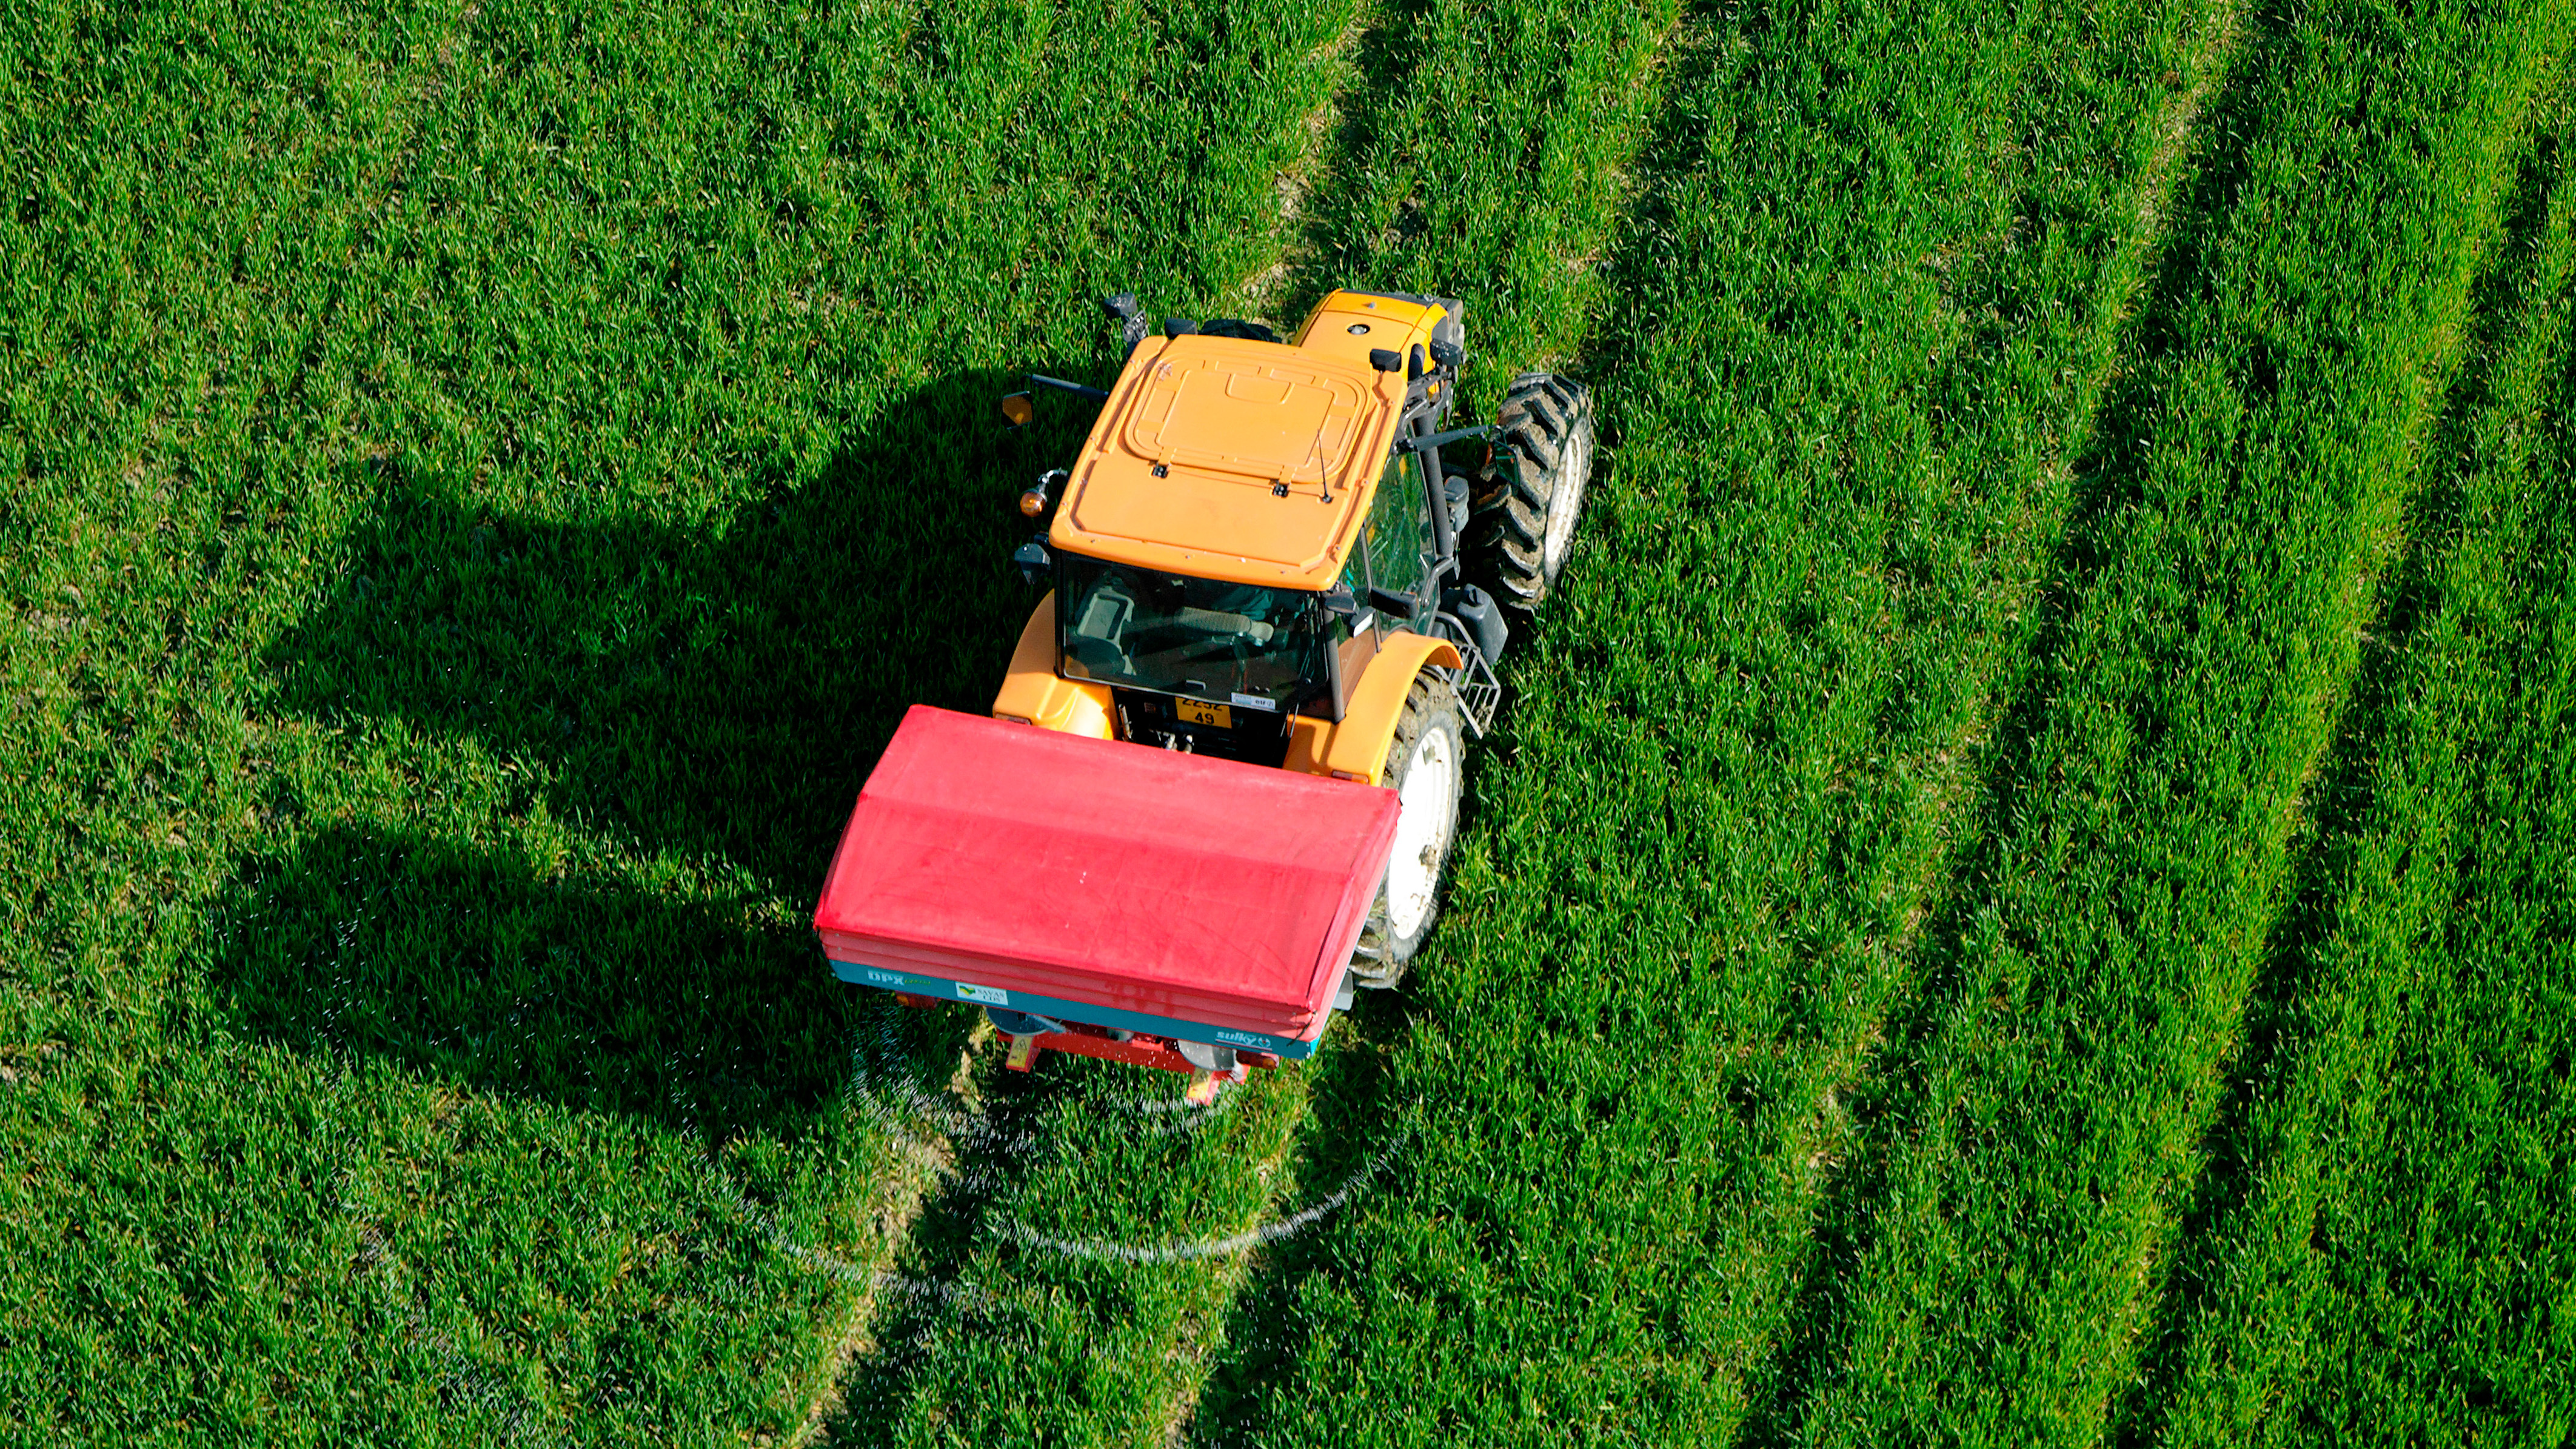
pixel 2025 892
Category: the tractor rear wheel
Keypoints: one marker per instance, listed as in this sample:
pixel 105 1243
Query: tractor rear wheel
pixel 1529 518
pixel 1425 764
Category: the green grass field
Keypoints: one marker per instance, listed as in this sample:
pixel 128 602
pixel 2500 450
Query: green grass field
pixel 2417 994
pixel 2022 896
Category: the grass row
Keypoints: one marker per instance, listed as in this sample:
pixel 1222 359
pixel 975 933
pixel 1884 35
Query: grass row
pixel 2092 976
pixel 2443 1309
pixel 2407 1131
pixel 1859 327
pixel 483 483
pixel 1455 181
pixel 1042 1330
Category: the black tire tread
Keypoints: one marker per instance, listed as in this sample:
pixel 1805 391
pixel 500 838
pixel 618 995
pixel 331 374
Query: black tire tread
pixel 1540 413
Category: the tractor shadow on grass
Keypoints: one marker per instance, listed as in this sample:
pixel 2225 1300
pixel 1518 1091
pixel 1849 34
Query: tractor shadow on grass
pixel 701 702
pixel 552 980
pixel 713 691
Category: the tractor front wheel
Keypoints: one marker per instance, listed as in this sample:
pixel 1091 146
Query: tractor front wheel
pixel 1542 466
pixel 1425 764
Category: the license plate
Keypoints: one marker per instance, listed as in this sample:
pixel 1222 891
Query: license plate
pixel 1201 713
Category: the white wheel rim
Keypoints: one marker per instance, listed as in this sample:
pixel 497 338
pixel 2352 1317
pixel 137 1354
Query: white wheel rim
pixel 1567 502
pixel 1424 805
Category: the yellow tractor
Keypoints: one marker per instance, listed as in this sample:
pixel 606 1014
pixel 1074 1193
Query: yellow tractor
pixel 1269 558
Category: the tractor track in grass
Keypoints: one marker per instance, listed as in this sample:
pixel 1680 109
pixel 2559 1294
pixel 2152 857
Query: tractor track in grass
pixel 1003 1271
pixel 1288 282
pixel 1954 771
pixel 1505 200
pixel 927 1159
pixel 2230 1351
pixel 1982 1078
pixel 2427 1297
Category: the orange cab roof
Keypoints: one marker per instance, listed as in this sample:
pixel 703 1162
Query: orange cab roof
pixel 1183 471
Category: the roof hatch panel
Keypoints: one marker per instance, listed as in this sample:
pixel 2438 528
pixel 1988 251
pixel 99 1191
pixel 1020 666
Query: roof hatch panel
pixel 1257 417
pixel 1222 457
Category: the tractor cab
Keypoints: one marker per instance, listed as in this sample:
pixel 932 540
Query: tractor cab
pixel 1246 525
pixel 1205 666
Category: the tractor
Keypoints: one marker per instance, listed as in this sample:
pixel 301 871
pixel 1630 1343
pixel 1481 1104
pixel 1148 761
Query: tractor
pixel 1218 786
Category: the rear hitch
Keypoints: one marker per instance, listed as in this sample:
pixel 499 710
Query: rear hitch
pixel 1210 1068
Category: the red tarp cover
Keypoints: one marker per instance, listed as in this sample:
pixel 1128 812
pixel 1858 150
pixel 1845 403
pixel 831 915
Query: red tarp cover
pixel 1097 871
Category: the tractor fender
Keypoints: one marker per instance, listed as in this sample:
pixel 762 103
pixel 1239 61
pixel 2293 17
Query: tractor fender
pixel 1033 693
pixel 1355 749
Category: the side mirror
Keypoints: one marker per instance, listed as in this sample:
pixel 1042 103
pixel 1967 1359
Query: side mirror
pixel 1401 606
pixel 1036 564
pixel 1017 409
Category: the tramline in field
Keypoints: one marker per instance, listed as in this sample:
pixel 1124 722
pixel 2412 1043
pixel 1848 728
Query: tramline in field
pixel 1154 852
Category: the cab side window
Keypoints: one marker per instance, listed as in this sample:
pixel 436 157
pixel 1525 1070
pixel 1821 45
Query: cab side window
pixel 1399 526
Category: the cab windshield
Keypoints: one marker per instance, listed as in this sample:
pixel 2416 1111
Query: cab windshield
pixel 1237 643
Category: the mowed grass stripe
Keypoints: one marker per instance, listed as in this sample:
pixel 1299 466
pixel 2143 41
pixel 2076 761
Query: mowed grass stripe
pixel 2429 990
pixel 420 1034
pixel 1085 1283
pixel 2096 968
pixel 1860 325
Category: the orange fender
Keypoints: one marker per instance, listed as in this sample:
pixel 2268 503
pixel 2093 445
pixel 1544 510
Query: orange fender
pixel 1355 749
